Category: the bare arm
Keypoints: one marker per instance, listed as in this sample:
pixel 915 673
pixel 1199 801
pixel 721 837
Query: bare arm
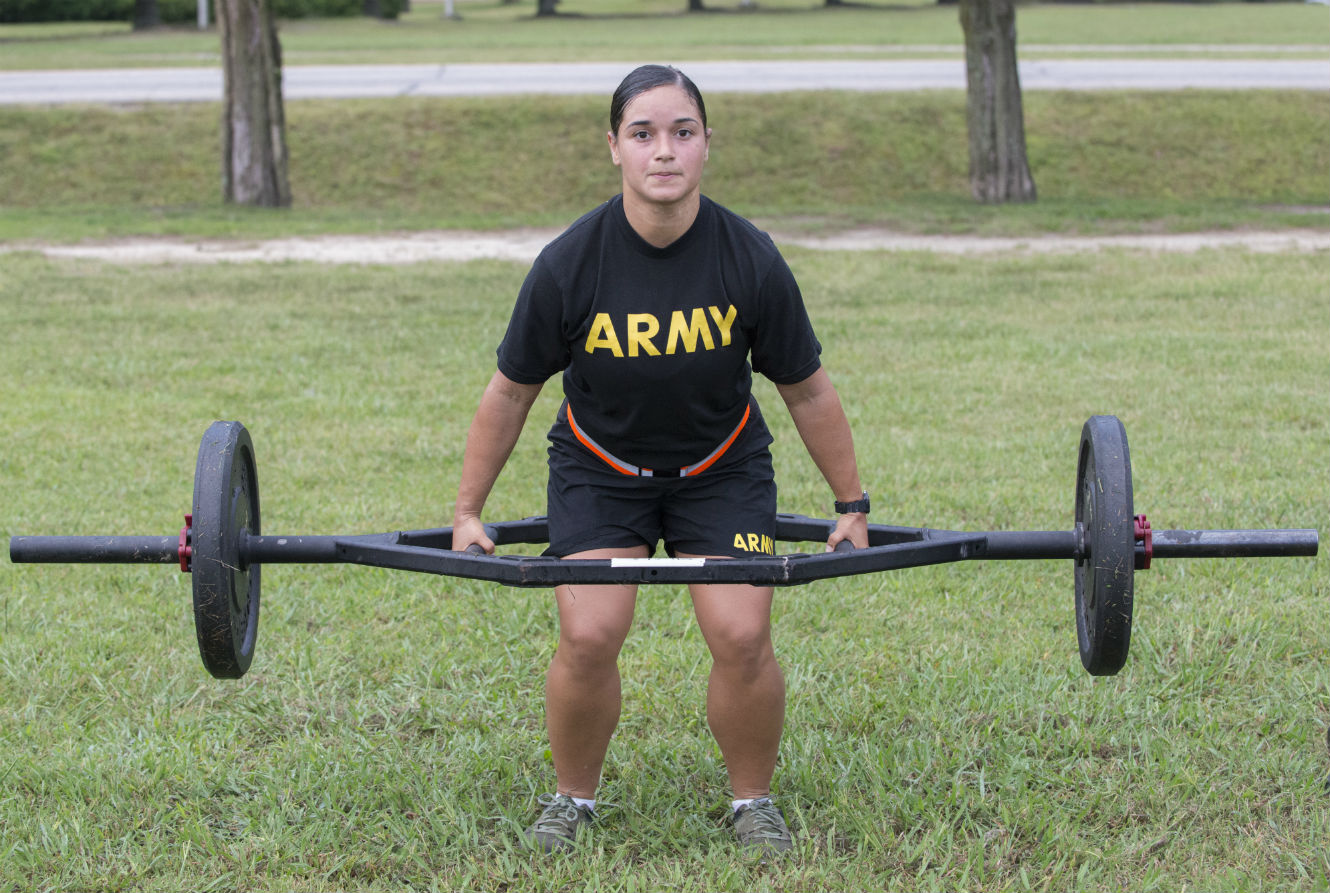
pixel 820 419
pixel 494 431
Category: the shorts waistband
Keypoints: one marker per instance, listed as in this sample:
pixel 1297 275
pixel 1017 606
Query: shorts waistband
pixel 627 468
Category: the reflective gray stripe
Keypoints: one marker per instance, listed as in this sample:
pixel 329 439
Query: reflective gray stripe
pixel 628 468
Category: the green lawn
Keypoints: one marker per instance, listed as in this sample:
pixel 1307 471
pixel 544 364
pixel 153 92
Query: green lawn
pixel 632 30
pixel 941 733
pixel 1103 162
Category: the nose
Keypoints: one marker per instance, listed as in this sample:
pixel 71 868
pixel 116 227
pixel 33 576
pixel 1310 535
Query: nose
pixel 665 147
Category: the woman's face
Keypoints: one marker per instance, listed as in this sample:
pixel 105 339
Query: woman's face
pixel 661 146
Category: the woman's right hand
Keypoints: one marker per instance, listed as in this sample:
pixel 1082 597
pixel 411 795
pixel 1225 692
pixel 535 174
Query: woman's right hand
pixel 469 531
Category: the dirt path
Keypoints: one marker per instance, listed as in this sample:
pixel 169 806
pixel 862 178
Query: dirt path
pixel 523 245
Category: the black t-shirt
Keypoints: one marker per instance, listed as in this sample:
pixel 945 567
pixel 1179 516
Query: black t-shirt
pixel 654 343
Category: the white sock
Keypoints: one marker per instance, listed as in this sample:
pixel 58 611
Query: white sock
pixel 737 805
pixel 584 802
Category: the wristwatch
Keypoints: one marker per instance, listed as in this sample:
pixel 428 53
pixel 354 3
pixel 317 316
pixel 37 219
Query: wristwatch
pixel 858 505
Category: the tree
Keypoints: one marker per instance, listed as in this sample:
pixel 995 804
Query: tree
pixel 146 15
pixel 253 121
pixel 383 9
pixel 999 168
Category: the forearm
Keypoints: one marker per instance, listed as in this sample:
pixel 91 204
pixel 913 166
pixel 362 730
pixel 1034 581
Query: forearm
pixel 820 420
pixel 494 432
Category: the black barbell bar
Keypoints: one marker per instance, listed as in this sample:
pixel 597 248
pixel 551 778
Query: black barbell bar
pixel 225 549
pixel 1000 545
pixel 94 549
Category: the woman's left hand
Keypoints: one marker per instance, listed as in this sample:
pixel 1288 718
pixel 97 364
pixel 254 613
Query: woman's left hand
pixel 852 527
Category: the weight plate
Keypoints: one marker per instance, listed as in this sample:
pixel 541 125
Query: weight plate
pixel 226 589
pixel 1104 575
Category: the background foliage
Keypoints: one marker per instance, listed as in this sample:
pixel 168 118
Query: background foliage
pixel 170 11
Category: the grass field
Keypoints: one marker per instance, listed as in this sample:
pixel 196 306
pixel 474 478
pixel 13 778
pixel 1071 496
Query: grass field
pixel 1102 162
pixel 654 30
pixel 941 733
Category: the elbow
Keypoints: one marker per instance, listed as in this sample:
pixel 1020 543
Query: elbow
pixel 813 390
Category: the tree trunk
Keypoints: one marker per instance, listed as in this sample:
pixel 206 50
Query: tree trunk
pixel 546 7
pixel 146 15
pixel 253 121
pixel 999 168
pixel 696 6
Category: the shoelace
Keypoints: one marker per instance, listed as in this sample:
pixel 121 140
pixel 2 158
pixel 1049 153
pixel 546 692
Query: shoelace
pixel 560 815
pixel 767 821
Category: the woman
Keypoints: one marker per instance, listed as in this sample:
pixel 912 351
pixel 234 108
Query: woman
pixel 652 306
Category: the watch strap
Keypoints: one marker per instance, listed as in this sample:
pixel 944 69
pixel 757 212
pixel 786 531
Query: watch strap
pixel 858 505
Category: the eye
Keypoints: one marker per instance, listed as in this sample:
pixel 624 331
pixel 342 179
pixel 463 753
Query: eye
pixel 640 135
pixel 683 133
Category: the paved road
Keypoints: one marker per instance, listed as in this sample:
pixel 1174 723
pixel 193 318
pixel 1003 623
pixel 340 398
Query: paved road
pixel 327 81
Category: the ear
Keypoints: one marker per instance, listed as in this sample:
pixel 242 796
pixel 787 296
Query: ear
pixel 614 147
pixel 707 155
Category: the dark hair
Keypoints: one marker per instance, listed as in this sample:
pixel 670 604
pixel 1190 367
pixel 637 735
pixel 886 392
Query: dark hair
pixel 649 77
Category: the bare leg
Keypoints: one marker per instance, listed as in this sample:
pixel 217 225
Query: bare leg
pixel 582 689
pixel 746 691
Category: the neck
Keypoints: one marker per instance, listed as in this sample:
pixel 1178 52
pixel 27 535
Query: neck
pixel 661 225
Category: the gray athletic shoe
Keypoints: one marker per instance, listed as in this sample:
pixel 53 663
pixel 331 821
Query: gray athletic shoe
pixel 760 825
pixel 559 824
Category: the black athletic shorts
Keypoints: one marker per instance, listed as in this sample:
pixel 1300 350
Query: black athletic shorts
pixel 729 509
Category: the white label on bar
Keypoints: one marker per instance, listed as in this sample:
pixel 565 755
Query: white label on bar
pixel 657 562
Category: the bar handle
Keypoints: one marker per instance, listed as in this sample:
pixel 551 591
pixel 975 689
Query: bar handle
pixel 1235 543
pixel 94 549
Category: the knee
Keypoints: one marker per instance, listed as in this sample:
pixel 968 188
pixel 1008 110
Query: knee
pixel 588 646
pixel 743 649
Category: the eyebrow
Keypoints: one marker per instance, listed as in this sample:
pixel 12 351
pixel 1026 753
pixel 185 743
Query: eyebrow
pixel 676 121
